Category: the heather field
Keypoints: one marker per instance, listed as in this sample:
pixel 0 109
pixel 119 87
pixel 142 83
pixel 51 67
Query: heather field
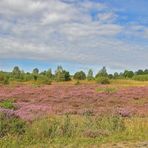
pixel 67 114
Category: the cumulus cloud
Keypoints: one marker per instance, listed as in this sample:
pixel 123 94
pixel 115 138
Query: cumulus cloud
pixel 84 32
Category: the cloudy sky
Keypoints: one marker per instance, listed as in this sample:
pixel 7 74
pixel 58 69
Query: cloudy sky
pixel 78 34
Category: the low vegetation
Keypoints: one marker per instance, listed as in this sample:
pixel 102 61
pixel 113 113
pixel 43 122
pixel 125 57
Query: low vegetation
pixel 7 104
pixel 94 110
pixel 71 130
pixel 108 90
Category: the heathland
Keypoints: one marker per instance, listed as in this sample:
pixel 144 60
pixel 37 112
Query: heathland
pixel 60 110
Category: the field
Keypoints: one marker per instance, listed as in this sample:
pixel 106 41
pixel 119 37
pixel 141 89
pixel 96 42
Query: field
pixel 76 115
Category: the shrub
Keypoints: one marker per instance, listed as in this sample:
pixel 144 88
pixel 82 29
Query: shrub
pixel 77 82
pixel 80 75
pixel 44 80
pixel 4 79
pixel 102 80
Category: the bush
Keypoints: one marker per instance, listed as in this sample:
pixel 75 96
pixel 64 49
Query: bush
pixel 77 82
pixel 102 80
pixel 44 80
pixel 79 75
pixel 4 79
pixel 140 77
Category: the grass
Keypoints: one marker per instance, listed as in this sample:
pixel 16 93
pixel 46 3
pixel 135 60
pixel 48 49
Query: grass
pixel 75 131
pixel 128 83
pixel 7 104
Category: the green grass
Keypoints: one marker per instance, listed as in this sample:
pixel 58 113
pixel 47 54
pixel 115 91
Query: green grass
pixel 73 131
pixel 7 104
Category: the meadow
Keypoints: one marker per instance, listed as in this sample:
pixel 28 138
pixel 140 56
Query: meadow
pixel 71 114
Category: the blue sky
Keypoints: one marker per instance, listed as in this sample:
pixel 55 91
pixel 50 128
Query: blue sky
pixel 78 34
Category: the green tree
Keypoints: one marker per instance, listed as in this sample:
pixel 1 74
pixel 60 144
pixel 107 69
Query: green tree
pixel 61 74
pixel 139 72
pixel 49 74
pixel 102 73
pixel 80 75
pixel 90 75
pixel 16 72
pixel 66 75
pixel 146 71
pixel 128 74
pixel 116 75
pixel 35 73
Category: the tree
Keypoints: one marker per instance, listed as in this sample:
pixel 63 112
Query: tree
pixel 102 73
pixel 16 72
pixel 110 76
pixel 139 72
pixel 49 74
pixel 80 75
pixel 146 71
pixel 35 73
pixel 61 74
pixel 66 75
pixel 128 74
pixel 116 75
pixel 90 75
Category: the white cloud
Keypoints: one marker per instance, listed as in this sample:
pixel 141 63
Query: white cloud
pixel 66 31
pixel 107 17
pixel 20 7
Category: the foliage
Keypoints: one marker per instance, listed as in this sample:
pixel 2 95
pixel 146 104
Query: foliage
pixel 64 131
pixel 102 73
pixel 79 75
pixel 44 80
pixel 7 104
pixel 102 80
pixel 4 79
pixel 11 125
pixel 49 74
pixel 61 74
pixel 35 71
pixel 128 74
pixel 90 75
pixel 16 72
pixel 141 77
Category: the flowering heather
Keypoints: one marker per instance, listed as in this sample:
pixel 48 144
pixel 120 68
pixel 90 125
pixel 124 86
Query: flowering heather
pixel 33 102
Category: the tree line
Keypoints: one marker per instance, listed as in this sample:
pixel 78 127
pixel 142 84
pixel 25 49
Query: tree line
pixel 63 75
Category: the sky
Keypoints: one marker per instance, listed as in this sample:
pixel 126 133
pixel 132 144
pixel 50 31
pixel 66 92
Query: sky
pixel 77 34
